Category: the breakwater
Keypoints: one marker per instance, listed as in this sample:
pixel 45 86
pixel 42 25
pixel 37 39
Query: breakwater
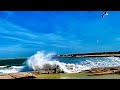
pixel 95 54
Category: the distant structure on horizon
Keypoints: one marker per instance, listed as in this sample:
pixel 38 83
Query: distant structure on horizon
pixel 94 54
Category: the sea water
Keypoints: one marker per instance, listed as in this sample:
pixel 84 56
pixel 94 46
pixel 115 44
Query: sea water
pixel 68 65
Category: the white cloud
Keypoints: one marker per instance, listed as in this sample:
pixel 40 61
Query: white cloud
pixel 12 48
pixel 117 39
pixel 10 28
pixel 12 31
pixel 22 40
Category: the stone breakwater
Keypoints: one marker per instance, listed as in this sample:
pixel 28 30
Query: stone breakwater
pixel 94 54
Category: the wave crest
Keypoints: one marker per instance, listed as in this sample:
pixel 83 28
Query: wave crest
pixel 42 61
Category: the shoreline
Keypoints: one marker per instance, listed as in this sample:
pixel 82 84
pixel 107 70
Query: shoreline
pixel 93 73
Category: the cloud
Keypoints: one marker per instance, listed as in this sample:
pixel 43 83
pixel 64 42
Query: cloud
pixel 12 48
pixel 10 27
pixel 22 40
pixel 117 39
pixel 25 37
pixel 12 31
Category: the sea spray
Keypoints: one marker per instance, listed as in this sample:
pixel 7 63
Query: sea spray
pixel 42 60
pixel 39 60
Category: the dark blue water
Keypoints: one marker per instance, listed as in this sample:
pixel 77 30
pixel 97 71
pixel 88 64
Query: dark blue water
pixel 71 60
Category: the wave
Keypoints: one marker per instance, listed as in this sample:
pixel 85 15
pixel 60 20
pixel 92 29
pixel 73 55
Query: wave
pixel 12 69
pixel 41 60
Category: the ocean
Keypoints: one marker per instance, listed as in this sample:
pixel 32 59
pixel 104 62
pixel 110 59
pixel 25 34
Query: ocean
pixel 68 65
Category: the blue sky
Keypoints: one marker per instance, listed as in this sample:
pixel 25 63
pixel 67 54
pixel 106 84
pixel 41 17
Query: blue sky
pixel 22 33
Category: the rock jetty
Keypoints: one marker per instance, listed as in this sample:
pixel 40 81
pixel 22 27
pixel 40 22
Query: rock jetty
pixel 94 54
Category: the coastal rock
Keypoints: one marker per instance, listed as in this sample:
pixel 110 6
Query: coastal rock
pixel 51 69
pixel 103 71
pixel 6 76
pixel 22 75
pixel 35 72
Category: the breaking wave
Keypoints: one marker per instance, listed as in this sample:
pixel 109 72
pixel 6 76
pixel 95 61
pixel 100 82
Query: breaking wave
pixel 41 60
pixel 12 69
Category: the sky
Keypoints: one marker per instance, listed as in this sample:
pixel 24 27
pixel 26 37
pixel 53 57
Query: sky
pixel 23 33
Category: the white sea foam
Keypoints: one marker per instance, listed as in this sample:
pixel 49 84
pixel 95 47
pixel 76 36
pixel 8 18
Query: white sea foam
pixel 102 62
pixel 12 69
pixel 40 59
